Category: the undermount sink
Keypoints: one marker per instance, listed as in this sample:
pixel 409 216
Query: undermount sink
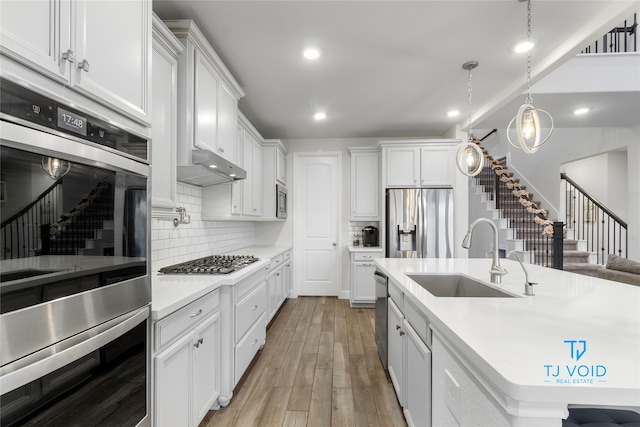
pixel 456 286
pixel 23 274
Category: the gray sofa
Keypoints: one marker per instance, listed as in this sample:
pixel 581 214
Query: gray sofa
pixel 621 270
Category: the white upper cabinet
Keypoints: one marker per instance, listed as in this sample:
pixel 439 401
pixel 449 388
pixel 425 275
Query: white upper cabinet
pixel 101 49
pixel 428 163
pixel 207 97
pixel 166 49
pixel 274 158
pixel 365 184
pixel 206 104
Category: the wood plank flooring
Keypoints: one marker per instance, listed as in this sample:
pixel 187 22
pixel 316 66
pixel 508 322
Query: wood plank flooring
pixel 319 367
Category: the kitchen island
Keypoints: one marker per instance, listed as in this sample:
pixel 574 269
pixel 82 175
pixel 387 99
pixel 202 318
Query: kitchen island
pixel 522 360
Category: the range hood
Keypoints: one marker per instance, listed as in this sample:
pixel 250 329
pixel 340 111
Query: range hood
pixel 208 168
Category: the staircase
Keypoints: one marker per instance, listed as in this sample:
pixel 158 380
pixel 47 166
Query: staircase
pixel 518 229
pixel 88 229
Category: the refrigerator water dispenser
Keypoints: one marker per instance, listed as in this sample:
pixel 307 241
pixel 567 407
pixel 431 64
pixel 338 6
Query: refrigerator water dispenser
pixel 406 237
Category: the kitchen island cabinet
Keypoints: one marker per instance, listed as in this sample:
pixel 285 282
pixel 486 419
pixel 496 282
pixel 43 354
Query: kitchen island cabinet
pixel 512 361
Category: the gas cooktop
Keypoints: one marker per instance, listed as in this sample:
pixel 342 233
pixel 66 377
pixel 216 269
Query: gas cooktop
pixel 214 264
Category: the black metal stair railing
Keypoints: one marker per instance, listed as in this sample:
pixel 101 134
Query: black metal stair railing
pixel 529 223
pixel 20 234
pixel 619 39
pixel 69 234
pixel 604 231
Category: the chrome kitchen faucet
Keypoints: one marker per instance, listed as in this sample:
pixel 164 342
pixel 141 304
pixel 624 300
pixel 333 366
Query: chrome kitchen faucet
pixel 496 271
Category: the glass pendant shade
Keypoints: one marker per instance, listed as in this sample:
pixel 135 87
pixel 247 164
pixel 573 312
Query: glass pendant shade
pixel 55 167
pixel 528 128
pixel 469 159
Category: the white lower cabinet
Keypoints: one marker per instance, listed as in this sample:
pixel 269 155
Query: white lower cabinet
pixel 396 344
pixel 417 402
pixel 187 363
pixel 409 361
pixel 250 320
pixel 278 282
pixel 363 289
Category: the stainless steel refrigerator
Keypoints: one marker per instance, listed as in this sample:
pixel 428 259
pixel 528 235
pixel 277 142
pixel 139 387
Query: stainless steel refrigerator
pixel 419 223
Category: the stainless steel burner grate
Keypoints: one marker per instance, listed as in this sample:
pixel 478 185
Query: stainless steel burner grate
pixel 214 264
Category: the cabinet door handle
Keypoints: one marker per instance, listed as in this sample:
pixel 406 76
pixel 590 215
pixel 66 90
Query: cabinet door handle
pixel 255 307
pixel 255 342
pixel 278 274
pixel 398 327
pixel 198 342
pixel 69 55
pixel 197 314
pixel 84 65
pixel 401 333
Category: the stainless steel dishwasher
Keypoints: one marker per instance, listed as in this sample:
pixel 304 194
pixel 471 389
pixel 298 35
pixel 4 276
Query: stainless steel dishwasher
pixel 382 293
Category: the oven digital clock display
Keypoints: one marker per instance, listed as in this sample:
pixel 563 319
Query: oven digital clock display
pixel 72 121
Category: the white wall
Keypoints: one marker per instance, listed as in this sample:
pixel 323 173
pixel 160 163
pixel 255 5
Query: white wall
pixel 542 169
pixel 171 245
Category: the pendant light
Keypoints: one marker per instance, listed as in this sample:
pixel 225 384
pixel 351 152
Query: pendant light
pixel 55 167
pixel 469 157
pixel 528 127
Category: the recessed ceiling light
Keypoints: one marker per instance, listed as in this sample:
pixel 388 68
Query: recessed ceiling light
pixel 311 53
pixel 453 113
pixel 523 47
pixel 580 111
pixel 213 166
pixel 319 116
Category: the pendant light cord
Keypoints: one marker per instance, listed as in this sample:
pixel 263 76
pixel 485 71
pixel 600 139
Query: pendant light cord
pixel 469 87
pixel 529 99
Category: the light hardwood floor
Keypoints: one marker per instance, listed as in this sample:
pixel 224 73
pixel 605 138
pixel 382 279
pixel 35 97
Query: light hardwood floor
pixel 319 367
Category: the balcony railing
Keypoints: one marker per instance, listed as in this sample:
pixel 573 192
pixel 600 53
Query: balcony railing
pixel 618 40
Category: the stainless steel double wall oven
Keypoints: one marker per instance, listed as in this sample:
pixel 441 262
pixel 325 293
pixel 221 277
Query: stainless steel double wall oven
pixel 75 285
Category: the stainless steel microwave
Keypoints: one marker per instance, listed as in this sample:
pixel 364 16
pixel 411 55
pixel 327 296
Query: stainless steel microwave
pixel 281 202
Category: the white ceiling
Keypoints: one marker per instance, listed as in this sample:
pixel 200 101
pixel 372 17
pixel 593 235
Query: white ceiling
pixel 394 68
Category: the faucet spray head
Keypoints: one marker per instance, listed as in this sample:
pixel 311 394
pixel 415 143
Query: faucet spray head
pixel 466 242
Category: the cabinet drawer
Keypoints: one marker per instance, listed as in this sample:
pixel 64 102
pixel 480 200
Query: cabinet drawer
pixel 249 283
pixel 276 262
pixel 366 256
pixel 419 321
pixel 249 309
pixel 247 348
pixel 172 327
pixel 396 295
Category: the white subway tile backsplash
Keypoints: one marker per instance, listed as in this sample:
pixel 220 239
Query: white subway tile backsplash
pixel 171 245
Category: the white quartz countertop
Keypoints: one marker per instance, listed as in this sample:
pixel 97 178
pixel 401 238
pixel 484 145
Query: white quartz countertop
pixel 523 345
pixel 170 292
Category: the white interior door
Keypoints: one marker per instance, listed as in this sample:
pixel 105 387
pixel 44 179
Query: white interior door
pixel 316 202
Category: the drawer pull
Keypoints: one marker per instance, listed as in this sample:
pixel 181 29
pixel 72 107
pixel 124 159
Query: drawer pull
pixel 197 314
pixel 254 342
pixel 255 307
